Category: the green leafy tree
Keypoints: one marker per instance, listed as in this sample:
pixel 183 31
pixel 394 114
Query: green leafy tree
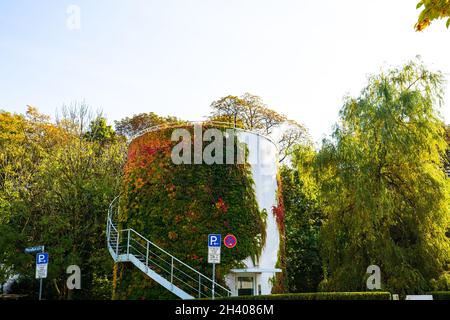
pixel 100 131
pixel 303 221
pixel 385 194
pixel 59 185
pixel 25 141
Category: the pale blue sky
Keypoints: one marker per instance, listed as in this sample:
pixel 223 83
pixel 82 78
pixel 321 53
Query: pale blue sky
pixel 175 57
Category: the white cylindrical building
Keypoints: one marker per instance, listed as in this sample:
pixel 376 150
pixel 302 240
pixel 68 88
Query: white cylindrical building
pixel 255 277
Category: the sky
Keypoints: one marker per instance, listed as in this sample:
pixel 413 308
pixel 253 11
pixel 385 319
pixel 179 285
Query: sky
pixel 174 57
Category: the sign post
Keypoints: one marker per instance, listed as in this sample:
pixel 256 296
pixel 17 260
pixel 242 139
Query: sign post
pixel 214 242
pixel 214 280
pixel 40 289
pixel 41 269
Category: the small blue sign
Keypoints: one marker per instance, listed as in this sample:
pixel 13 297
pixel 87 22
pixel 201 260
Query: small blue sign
pixel 214 240
pixel 34 249
pixel 42 258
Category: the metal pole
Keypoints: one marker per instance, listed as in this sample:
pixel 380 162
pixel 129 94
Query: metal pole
pixel 213 279
pixel 40 280
pixel 40 289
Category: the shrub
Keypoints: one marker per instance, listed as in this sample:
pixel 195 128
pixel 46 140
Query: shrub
pixel 320 296
pixel 440 295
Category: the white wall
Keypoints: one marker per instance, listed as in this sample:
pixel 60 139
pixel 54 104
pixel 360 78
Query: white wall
pixel 263 159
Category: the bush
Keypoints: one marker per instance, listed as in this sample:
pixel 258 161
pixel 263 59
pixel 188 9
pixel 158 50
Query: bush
pixel 319 296
pixel 440 295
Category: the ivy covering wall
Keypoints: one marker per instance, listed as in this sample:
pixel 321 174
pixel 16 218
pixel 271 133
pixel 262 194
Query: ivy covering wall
pixel 177 206
pixel 280 284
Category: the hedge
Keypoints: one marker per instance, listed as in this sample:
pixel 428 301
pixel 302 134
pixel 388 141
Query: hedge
pixel 318 296
pixel 440 295
pixel 13 296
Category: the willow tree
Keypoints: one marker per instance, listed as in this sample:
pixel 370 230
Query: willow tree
pixel 385 194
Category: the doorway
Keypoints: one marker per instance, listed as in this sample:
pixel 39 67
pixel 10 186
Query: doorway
pixel 246 285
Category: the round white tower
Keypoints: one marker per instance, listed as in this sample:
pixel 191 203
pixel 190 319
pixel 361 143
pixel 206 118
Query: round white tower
pixel 255 277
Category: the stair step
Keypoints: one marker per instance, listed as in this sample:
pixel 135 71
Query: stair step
pixel 182 287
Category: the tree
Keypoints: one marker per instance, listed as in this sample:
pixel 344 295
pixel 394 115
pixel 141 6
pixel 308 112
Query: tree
pixel 432 10
pixel 100 131
pixel 76 185
pixel 293 135
pixel 128 127
pixel 228 109
pixel 303 221
pixel 25 141
pixel 58 186
pixel 250 113
pixel 247 111
pixel 384 193
pixel 16 163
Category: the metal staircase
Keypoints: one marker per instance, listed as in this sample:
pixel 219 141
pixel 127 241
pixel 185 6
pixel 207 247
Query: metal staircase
pixel 127 245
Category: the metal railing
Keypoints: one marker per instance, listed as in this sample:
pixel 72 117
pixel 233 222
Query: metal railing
pixel 129 245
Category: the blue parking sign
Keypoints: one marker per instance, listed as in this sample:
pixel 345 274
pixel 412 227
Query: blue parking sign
pixel 42 258
pixel 214 240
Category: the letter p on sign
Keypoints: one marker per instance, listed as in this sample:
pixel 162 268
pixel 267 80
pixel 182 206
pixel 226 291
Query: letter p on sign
pixel 214 240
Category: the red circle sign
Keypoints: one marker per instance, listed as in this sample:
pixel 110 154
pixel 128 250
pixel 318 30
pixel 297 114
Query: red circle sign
pixel 230 241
